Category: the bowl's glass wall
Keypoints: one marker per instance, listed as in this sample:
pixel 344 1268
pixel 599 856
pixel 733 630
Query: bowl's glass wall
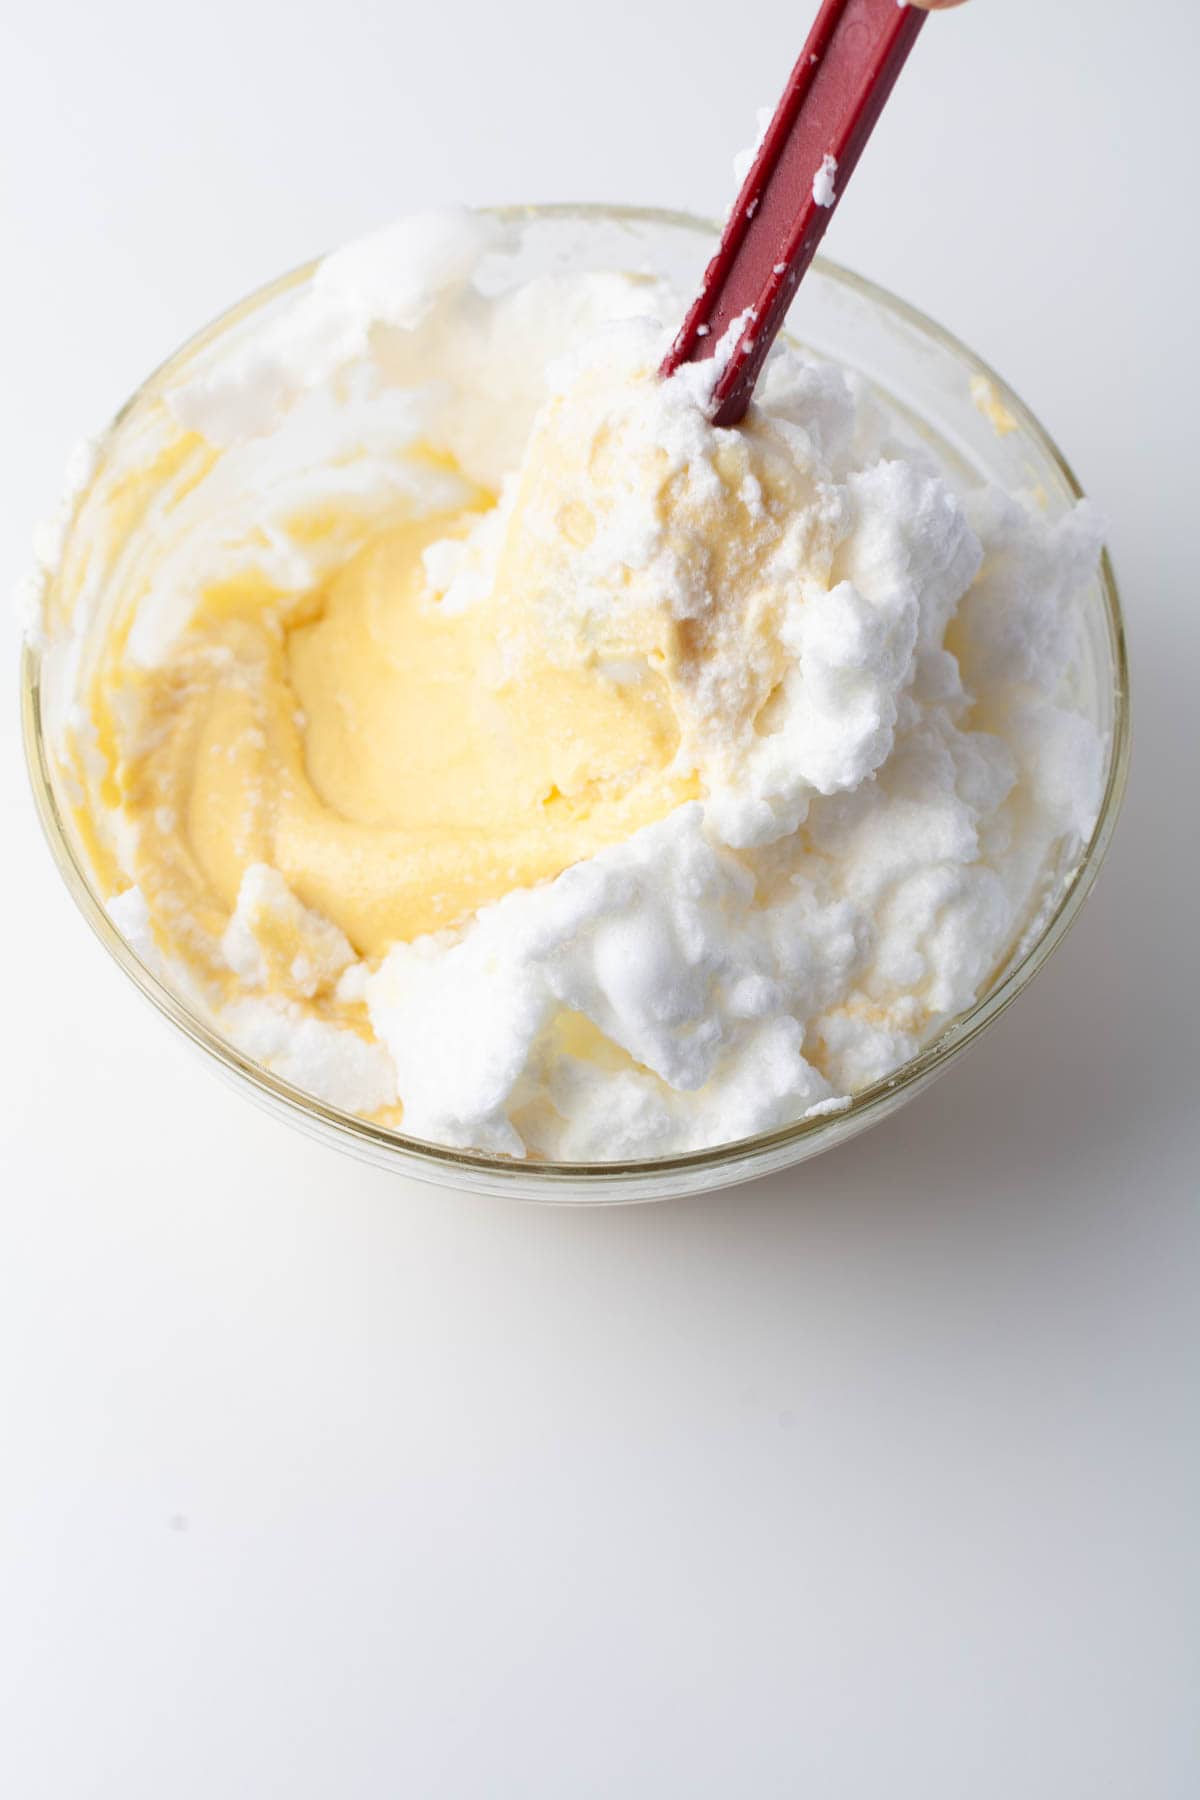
pixel 967 413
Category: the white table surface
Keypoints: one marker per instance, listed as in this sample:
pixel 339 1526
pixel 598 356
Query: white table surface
pixel 876 1479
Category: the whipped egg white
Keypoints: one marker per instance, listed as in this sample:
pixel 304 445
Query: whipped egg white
pixel 492 746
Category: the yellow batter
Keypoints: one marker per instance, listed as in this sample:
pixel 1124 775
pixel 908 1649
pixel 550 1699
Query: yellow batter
pixel 399 763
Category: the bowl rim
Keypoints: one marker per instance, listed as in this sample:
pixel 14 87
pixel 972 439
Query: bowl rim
pixel 383 1142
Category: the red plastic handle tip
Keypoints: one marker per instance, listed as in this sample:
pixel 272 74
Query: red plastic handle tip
pixel 829 109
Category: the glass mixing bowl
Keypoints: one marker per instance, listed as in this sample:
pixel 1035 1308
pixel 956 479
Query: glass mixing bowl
pixel 975 422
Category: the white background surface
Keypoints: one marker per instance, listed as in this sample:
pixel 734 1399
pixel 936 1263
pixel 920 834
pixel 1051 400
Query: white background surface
pixel 879 1478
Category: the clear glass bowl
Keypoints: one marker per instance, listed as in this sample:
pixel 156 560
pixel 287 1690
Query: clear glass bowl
pixel 953 399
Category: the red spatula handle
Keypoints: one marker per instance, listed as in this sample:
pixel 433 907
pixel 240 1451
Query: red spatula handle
pixel 836 93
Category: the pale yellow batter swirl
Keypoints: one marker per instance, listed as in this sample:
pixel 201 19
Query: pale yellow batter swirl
pixel 398 762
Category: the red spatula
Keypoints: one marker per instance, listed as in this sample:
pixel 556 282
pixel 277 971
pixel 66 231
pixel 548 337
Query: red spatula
pixel 836 93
